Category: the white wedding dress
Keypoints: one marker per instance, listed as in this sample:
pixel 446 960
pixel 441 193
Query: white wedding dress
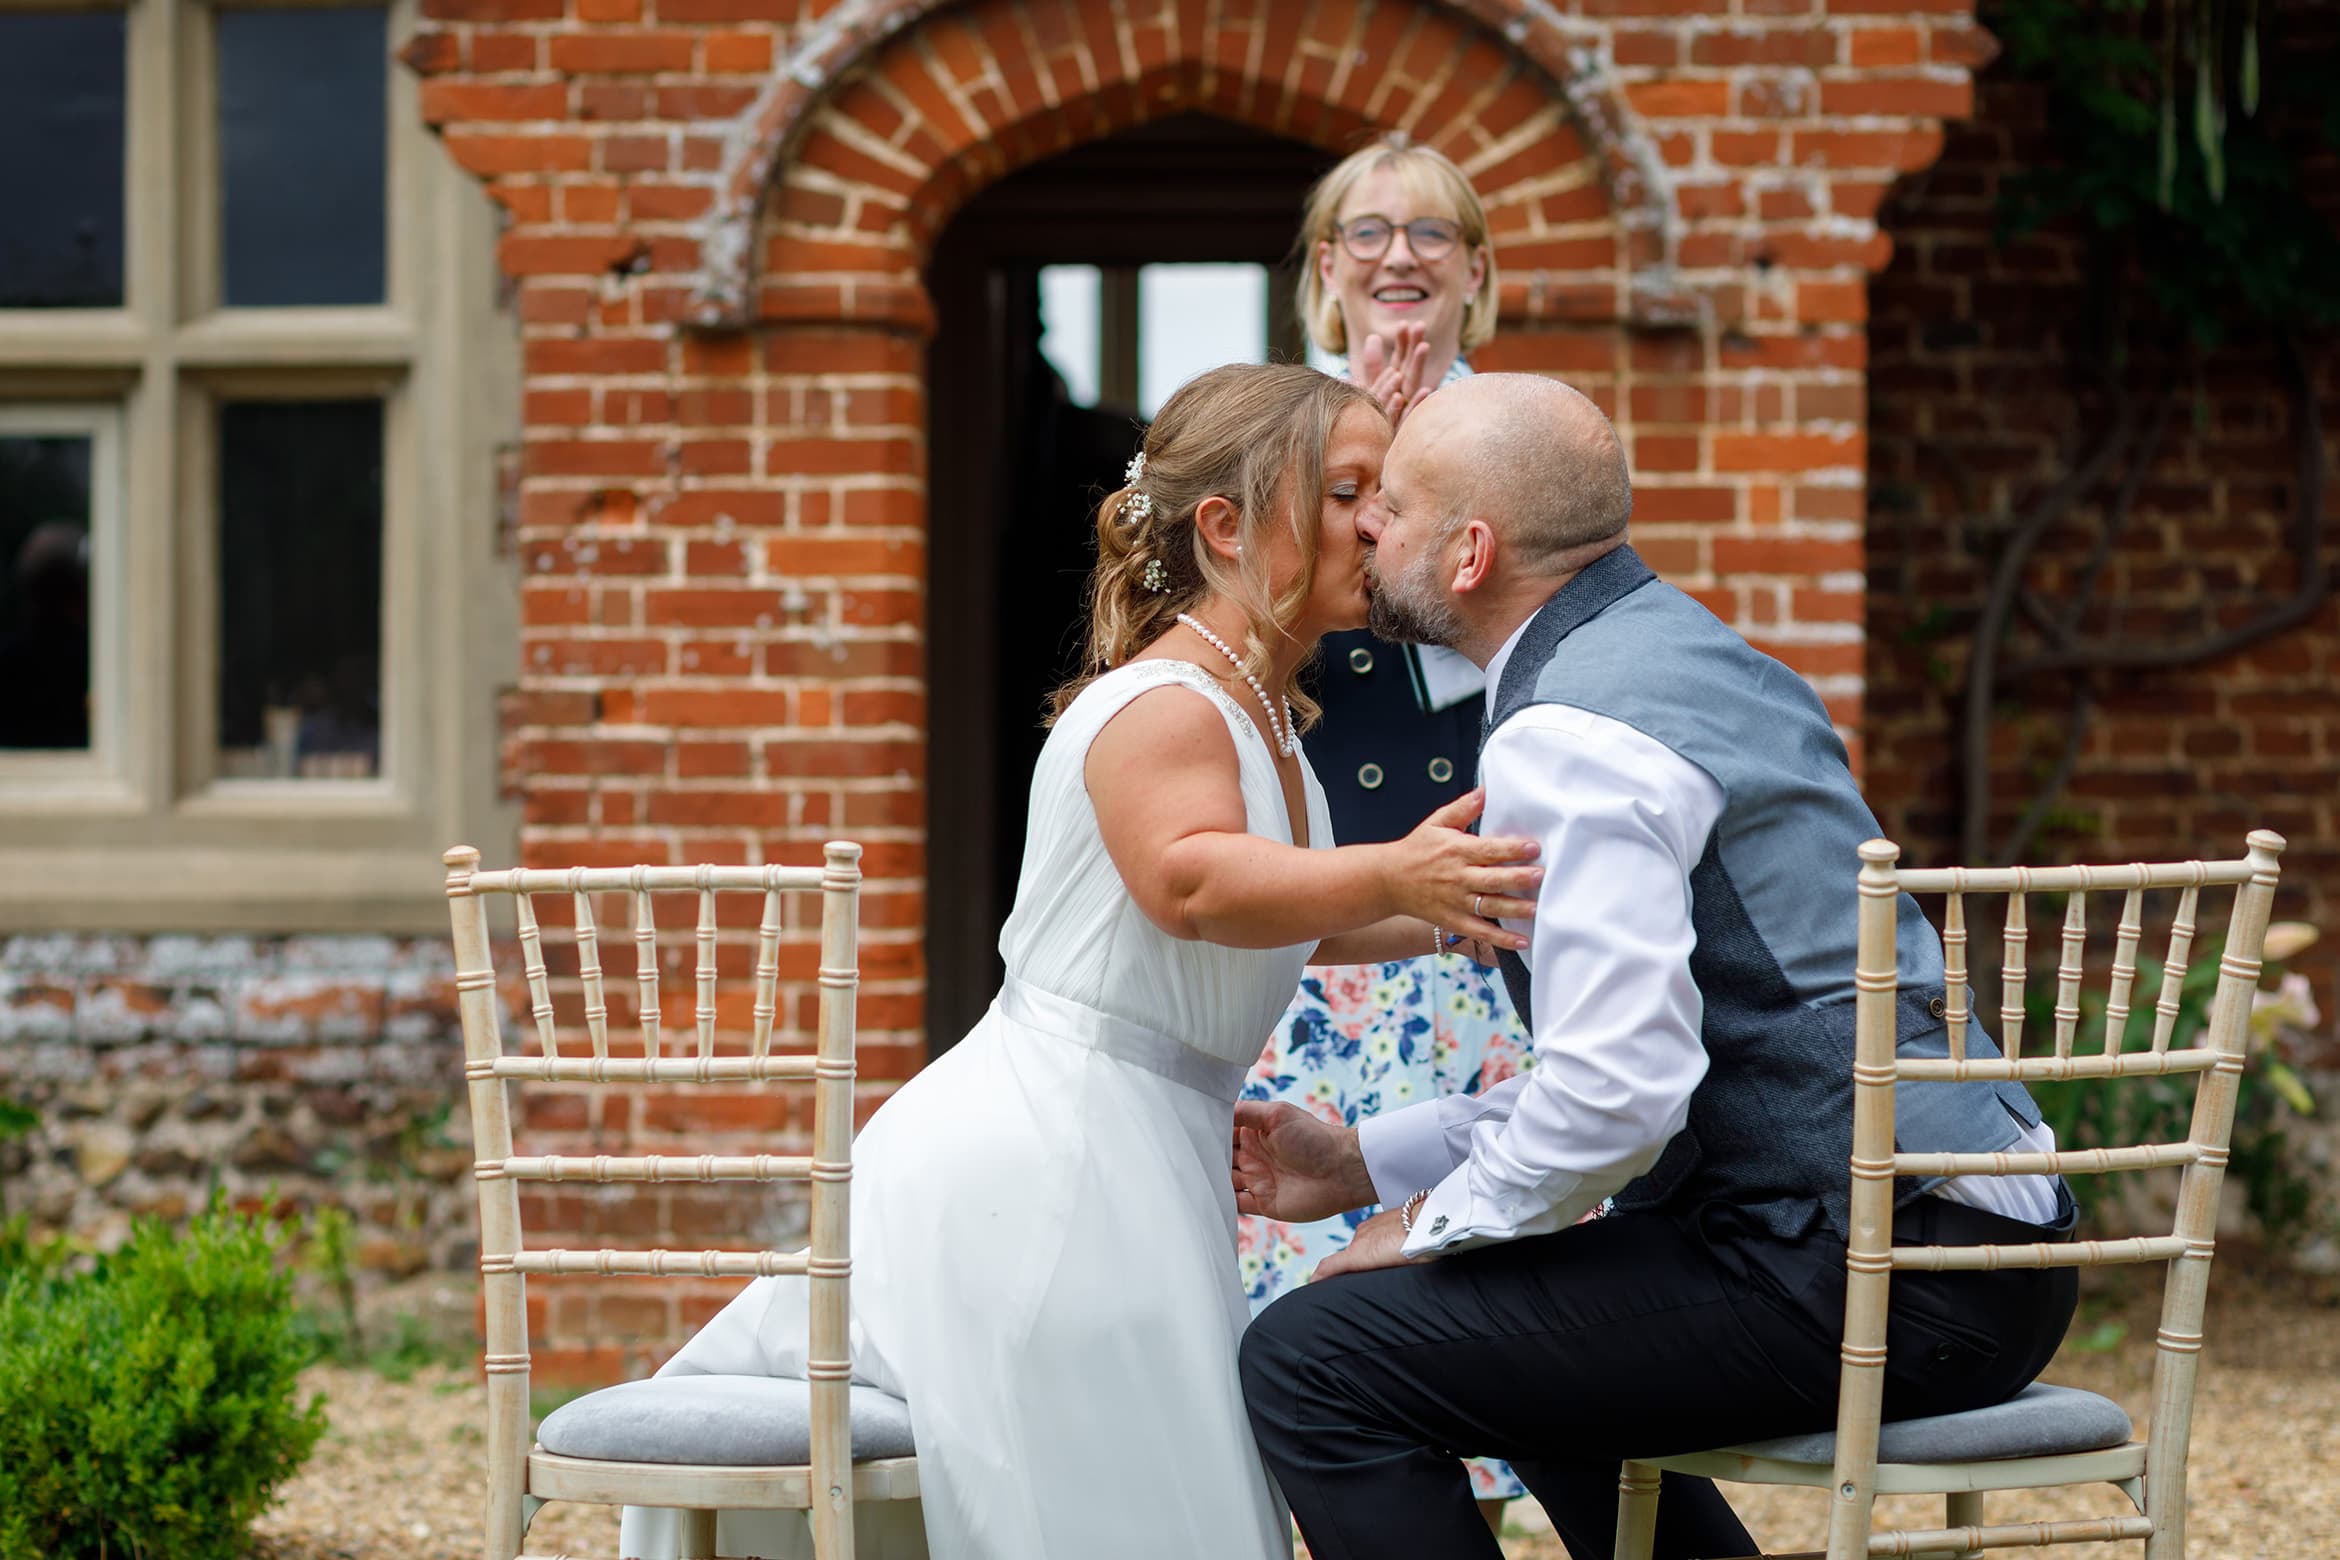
pixel 1043 1227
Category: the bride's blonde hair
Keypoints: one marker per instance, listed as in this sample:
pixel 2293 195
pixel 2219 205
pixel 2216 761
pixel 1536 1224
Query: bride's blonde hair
pixel 1253 434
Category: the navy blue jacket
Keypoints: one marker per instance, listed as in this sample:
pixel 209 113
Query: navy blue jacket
pixel 1385 763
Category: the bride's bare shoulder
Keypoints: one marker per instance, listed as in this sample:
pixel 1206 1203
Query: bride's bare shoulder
pixel 1171 717
pixel 1163 767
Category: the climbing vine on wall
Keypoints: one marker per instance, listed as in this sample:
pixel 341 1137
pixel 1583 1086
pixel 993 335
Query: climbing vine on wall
pixel 2178 131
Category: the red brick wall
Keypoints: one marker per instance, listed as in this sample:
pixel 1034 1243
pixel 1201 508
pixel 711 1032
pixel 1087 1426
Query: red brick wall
pixel 1972 375
pixel 719 213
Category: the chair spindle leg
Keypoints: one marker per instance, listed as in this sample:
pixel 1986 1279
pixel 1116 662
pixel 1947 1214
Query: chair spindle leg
pixel 1637 1498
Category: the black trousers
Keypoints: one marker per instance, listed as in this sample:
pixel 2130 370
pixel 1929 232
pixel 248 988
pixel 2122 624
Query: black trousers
pixel 1637 1335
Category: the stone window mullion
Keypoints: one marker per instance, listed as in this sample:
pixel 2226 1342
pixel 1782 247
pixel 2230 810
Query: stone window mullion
pixel 175 359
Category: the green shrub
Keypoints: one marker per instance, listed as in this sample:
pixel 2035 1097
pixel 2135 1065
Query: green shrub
pixel 149 1406
pixel 2270 1097
pixel 21 1246
pixel 21 1249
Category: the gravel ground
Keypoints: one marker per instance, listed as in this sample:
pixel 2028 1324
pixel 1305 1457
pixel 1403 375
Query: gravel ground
pixel 399 1473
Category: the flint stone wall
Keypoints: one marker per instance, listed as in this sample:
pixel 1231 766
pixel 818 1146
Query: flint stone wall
pixel 288 1071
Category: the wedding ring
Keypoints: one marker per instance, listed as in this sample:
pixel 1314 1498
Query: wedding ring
pixel 1475 898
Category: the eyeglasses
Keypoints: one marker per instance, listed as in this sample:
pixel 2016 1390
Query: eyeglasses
pixel 1367 238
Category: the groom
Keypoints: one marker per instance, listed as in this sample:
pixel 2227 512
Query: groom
pixel 1689 992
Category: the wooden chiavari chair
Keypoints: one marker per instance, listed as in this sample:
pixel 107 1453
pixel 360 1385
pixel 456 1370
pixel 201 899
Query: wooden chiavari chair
pixel 2046 1436
pixel 832 1418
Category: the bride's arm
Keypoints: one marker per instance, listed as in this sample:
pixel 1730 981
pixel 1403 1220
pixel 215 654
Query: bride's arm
pixel 1399 937
pixel 1164 780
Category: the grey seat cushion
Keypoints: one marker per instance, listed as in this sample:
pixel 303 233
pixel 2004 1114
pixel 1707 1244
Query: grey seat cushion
pixel 729 1421
pixel 2039 1421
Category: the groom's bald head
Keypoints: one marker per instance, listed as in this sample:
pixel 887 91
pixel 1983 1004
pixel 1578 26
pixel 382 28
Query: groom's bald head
pixel 1532 457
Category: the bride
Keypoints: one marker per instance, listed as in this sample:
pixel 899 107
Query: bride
pixel 1043 1235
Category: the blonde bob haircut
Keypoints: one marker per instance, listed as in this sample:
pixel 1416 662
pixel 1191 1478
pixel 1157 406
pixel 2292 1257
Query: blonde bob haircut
pixel 1432 181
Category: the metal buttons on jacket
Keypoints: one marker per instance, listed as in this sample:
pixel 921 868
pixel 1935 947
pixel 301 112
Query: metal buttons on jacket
pixel 1386 761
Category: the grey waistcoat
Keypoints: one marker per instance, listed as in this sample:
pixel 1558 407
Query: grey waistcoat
pixel 1772 905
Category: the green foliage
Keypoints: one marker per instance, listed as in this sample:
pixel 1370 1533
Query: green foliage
pixel 2102 1338
pixel 2211 225
pixel 2115 1112
pixel 23 1251
pixel 150 1406
pixel 16 1120
pixel 20 1248
pixel 394 1348
pixel 331 1251
pixel 415 1343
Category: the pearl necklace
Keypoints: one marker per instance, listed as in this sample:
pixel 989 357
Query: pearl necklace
pixel 1287 736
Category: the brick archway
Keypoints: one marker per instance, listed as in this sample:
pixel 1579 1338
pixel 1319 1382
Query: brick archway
pixel 875 130
pixel 726 534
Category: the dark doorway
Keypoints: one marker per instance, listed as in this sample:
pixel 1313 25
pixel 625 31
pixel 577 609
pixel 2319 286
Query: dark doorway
pixel 1016 467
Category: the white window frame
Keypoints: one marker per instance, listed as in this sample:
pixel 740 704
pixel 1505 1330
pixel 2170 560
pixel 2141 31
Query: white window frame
pixel 140 832
pixel 90 777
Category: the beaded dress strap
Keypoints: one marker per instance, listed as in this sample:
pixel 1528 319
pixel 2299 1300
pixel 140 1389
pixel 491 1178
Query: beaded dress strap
pixel 1204 681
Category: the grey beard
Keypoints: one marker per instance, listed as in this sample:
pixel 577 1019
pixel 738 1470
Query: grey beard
pixel 1409 610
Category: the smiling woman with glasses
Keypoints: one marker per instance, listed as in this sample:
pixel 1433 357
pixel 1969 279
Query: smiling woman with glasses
pixel 1397 274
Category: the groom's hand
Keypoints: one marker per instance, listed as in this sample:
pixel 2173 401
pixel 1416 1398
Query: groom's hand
pixel 1291 1166
pixel 1378 1243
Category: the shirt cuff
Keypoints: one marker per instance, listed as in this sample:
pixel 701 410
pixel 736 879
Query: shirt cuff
pixel 1452 1219
pixel 1441 1220
pixel 1405 1150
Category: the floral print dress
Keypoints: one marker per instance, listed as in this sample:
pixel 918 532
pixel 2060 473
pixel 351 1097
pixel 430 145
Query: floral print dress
pixel 1359 1040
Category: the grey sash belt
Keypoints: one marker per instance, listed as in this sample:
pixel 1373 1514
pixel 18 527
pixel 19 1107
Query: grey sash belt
pixel 1164 1055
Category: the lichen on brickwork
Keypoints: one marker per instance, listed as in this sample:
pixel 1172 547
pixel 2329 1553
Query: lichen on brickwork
pixel 172 955
pixel 69 951
pixel 1642 187
pixel 34 1006
pixel 759 140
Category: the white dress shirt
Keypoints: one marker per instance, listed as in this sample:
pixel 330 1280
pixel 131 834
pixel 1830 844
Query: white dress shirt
pixel 1623 820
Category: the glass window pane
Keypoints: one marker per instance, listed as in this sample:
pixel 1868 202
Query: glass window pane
pixel 1193 317
pixel 300 597
pixel 1070 297
pixel 61 106
pixel 44 597
pixel 302 134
